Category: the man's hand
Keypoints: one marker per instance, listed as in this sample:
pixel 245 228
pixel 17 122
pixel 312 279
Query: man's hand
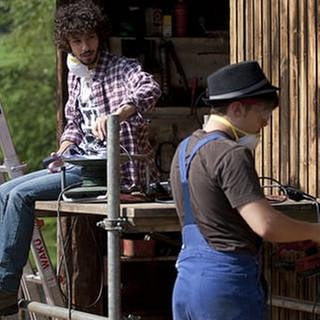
pixel 56 164
pixel 99 128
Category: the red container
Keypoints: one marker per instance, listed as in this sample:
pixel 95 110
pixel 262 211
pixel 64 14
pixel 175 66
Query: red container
pixel 181 18
pixel 138 248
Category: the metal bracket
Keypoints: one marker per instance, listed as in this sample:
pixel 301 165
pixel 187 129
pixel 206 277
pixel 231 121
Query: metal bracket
pixel 131 317
pixel 112 224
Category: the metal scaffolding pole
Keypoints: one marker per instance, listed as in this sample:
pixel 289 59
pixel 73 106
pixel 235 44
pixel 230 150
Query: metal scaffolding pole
pixel 295 304
pixel 113 224
pixel 57 312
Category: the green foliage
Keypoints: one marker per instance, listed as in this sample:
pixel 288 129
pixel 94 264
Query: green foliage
pixel 31 27
pixel 27 84
pixel 27 77
pixel 49 232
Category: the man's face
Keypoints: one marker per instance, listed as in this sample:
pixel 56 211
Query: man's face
pixel 85 47
pixel 256 117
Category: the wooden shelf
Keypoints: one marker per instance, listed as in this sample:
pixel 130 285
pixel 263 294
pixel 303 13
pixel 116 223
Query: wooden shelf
pixel 148 259
pixel 166 112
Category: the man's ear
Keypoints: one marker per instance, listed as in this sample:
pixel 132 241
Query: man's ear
pixel 236 109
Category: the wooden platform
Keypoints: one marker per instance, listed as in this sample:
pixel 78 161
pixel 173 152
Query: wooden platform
pixel 158 217
pixel 139 217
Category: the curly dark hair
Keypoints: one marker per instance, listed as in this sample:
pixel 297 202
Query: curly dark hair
pixel 82 16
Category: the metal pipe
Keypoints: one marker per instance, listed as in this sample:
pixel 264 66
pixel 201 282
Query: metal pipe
pixel 57 312
pixel 295 304
pixel 113 207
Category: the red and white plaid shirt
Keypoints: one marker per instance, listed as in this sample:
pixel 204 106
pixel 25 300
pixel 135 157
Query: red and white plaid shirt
pixel 115 82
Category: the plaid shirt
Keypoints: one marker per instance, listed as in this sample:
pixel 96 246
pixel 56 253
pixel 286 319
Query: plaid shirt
pixel 115 82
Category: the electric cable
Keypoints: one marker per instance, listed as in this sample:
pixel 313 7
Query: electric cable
pixel 158 155
pixel 59 228
pixel 65 243
pixel 101 266
pixel 196 104
pixel 159 200
pixel 126 152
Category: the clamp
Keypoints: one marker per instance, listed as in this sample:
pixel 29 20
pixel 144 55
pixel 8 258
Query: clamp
pixel 112 224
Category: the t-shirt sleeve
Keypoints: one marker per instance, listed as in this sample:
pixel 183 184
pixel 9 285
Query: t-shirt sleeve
pixel 238 178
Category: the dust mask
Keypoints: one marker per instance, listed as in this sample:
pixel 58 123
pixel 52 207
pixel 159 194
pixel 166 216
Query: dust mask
pixel 248 140
pixel 77 68
pixel 251 141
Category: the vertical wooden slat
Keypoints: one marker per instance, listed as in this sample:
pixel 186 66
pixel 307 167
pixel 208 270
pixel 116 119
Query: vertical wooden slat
pixel 303 98
pixel 275 45
pixel 249 30
pixel 317 35
pixel 257 34
pixel 266 64
pixel 312 96
pixel 61 91
pixel 241 30
pixel 284 79
pixel 257 30
pixel 233 23
pixel 293 93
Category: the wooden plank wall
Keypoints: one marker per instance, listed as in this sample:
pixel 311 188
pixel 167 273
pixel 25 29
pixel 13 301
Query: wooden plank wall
pixel 283 36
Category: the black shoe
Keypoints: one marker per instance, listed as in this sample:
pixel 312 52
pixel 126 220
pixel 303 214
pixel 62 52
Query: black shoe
pixel 8 303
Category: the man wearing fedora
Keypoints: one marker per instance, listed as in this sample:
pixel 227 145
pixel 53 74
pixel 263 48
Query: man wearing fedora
pixel 223 212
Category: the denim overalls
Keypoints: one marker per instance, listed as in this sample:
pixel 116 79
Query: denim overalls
pixel 212 284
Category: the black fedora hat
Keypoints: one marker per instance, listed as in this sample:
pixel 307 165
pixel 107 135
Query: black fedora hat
pixel 236 81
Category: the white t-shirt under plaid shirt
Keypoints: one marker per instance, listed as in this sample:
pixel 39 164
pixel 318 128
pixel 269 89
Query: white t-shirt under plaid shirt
pixel 117 81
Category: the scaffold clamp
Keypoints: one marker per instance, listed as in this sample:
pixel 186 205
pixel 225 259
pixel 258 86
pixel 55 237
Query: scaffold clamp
pixel 112 224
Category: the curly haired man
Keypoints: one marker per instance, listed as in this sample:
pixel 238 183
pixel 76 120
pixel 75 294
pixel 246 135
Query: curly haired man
pixel 99 84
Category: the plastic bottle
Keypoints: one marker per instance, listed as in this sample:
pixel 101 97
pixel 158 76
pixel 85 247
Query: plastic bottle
pixel 181 18
pixel 153 21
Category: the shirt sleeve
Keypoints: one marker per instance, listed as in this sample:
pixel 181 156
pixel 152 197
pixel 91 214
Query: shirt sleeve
pixel 143 90
pixel 238 177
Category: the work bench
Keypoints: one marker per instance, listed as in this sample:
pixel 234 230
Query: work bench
pixel 162 217
pixel 138 217
pixel 158 217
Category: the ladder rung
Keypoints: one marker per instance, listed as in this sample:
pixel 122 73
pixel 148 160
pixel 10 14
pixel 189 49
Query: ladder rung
pixel 33 278
pixel 4 168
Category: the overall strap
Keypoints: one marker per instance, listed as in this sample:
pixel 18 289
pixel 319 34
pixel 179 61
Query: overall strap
pixel 184 166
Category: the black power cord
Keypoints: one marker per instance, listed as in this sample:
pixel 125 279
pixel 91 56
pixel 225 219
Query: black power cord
pixel 64 244
pixel 292 193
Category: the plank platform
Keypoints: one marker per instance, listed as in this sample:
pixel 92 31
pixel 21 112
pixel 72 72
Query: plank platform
pixel 144 217
pixel 158 217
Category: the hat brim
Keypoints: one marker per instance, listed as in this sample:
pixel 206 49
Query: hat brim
pixel 257 93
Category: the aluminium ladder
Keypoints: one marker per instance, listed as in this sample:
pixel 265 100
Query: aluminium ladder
pixel 45 277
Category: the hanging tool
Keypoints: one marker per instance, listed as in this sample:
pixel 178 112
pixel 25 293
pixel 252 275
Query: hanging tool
pixel 167 54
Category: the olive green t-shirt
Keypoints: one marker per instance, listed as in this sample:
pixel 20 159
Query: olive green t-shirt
pixel 222 177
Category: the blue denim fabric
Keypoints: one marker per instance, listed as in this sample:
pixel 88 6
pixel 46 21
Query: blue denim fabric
pixel 17 198
pixel 214 285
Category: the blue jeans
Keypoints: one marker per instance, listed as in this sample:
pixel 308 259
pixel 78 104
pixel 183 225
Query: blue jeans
pixel 213 285
pixel 17 199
